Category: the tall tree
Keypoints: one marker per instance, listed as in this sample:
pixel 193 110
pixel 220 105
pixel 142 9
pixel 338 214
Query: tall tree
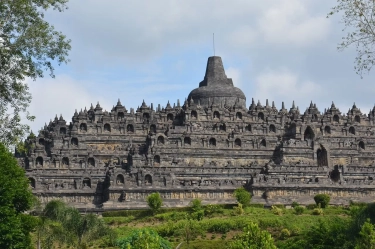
pixel 15 199
pixel 358 18
pixel 29 45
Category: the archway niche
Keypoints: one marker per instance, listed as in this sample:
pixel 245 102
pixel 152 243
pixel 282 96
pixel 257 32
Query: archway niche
pixel 41 141
pixel 238 115
pixel 146 115
pixel 39 161
pixel 107 128
pixel 212 142
pixel 248 127
pixel 148 180
pixel 315 118
pixel 91 162
pixel 153 128
pixel 65 161
pixel 120 116
pixel 83 127
pixel 261 115
pixel 160 140
pixel 222 127
pixel 170 117
pixel 293 130
pixel 309 134
pixel 116 161
pixel 120 180
pixel 86 183
pixel 32 182
pixel 357 119
pixel 187 141
pixel 62 131
pixel 335 174
pixel 361 145
pixel 336 118
pixel 216 115
pixel 237 143
pixel 263 143
pixel 74 141
pixel 327 130
pixel 272 128
pixel 130 128
pixel 156 160
pixel 194 115
pixel 322 157
pixel 352 130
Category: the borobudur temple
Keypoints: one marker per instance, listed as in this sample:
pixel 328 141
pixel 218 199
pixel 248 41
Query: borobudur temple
pixel 203 148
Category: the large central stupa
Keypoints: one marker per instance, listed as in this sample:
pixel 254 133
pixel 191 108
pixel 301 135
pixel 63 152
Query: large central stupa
pixel 217 88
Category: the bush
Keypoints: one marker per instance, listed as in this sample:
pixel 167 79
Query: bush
pixel 238 210
pixel 317 211
pixel 196 205
pixel 276 210
pixel 295 204
pixel 299 210
pixel 322 200
pixel 242 196
pixel 198 215
pixel 285 233
pixel 210 209
pixel 154 201
pixel 311 206
pixel 143 238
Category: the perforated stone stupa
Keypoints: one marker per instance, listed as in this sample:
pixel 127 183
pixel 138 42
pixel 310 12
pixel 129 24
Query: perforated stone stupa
pixel 204 148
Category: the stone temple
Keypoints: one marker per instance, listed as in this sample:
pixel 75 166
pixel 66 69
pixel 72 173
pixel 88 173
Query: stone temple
pixel 203 148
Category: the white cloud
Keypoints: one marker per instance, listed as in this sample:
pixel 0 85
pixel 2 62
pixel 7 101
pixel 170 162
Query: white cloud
pixel 61 95
pixel 289 22
pixel 283 85
pixel 235 74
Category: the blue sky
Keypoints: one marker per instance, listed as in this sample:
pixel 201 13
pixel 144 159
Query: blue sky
pixel 281 50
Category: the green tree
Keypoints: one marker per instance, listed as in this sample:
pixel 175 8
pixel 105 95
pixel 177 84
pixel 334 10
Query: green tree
pixel 358 18
pixel 253 238
pixel 15 199
pixel 66 226
pixel 154 201
pixel 143 238
pixel 322 200
pixel 29 45
pixel 242 196
pixel 366 237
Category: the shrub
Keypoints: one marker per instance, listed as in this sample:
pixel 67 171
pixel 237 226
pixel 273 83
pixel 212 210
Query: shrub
pixel 143 238
pixel 299 210
pixel 317 211
pixel 311 206
pixel 322 200
pixel 276 210
pixel 238 210
pixel 210 209
pixel 154 201
pixel 198 215
pixel 196 205
pixel 253 237
pixel 295 204
pixel 242 196
pixel 285 233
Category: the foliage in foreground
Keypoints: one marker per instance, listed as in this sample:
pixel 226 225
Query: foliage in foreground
pixel 143 238
pixel 29 45
pixel 15 199
pixel 242 196
pixel 63 225
pixel 322 200
pixel 253 238
pixel 155 202
pixel 357 16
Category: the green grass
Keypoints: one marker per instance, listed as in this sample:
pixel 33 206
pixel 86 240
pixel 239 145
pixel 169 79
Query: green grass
pixel 219 228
